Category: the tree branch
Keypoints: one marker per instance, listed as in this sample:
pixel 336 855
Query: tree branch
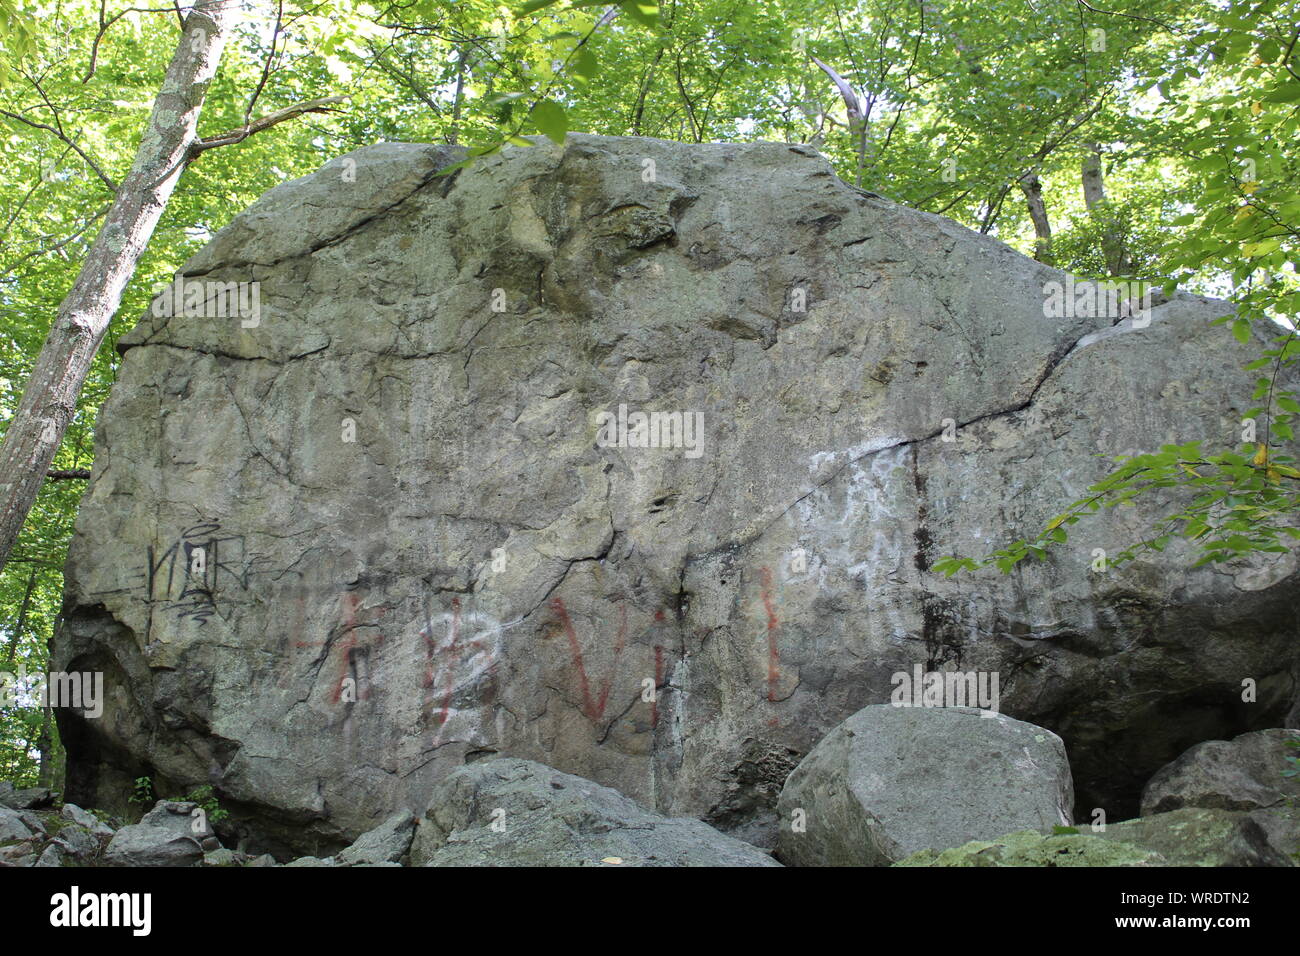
pixel 322 105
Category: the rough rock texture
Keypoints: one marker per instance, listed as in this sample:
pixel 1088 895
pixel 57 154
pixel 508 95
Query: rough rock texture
pixel 386 843
pixel 890 781
pixel 13 826
pixel 1196 836
pixel 1189 837
pixel 33 798
pixel 326 558
pixel 85 819
pixel 1244 773
pixel 143 845
pixel 1282 825
pixel 510 812
pixel 1031 848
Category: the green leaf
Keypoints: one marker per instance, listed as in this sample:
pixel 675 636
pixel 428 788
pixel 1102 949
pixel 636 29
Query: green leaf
pixel 644 13
pixel 532 6
pixel 551 120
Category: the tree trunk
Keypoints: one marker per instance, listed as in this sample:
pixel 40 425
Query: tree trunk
pixel 50 398
pixel 1094 197
pixel 457 100
pixel 12 653
pixel 1033 189
pixel 45 750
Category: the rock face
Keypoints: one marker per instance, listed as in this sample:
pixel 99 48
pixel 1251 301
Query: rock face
pixel 511 812
pixel 1240 774
pixel 372 525
pixel 891 781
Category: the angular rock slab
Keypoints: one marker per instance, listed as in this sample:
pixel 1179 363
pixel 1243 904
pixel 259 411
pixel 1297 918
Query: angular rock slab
pixel 1244 773
pixel 511 812
pixel 415 549
pixel 891 781
pixel 386 843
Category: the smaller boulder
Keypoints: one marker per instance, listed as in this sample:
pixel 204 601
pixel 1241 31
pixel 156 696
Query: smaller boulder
pixel 1244 773
pixel 22 853
pixel 84 818
pixel 33 798
pixel 53 855
pixel 1197 836
pixel 386 843
pixel 509 812
pixel 77 842
pixel 1031 848
pixel 146 845
pixel 13 827
pixel 891 781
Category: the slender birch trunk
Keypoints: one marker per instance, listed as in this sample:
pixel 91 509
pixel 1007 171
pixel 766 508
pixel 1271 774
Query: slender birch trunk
pixel 50 398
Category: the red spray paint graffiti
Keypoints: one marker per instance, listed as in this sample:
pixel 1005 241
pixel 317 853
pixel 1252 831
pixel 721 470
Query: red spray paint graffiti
pixel 594 708
pixel 348 642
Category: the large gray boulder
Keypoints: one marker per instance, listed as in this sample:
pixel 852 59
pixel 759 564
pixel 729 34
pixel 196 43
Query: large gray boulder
pixel 518 813
pixel 891 781
pixel 333 549
pixel 1245 773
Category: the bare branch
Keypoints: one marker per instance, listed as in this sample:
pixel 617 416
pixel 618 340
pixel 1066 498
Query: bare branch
pixel 324 104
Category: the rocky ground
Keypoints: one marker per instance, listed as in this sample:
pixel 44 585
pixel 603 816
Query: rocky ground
pixel 888 786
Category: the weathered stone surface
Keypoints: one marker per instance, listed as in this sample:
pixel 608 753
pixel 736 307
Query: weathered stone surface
pixel 84 818
pixel 519 813
pixel 1282 825
pixel 78 843
pixel 33 798
pixel 311 861
pixel 387 843
pixel 890 781
pixel 52 855
pixel 179 817
pixel 1031 848
pixel 33 821
pixel 1244 773
pixel 1196 836
pixel 13 826
pixel 1188 837
pixel 22 853
pixel 143 845
pixel 476 573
